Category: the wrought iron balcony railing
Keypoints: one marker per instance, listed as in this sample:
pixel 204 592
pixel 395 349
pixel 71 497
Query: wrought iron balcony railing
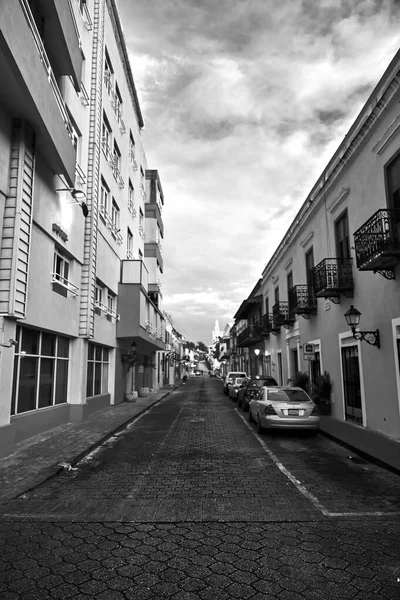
pixel 377 243
pixel 333 277
pixel 302 301
pixel 281 315
pixel 250 335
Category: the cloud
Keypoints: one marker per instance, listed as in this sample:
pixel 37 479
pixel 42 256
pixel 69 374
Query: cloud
pixel 245 101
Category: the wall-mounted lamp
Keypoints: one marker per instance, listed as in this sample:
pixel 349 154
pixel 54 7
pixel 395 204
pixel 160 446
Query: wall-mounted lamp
pixel 11 343
pixel 257 351
pixel 352 317
pixel 78 196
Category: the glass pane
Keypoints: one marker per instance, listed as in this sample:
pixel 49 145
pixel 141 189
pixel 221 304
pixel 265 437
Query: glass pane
pixel 63 347
pixel 105 354
pixel 91 352
pixel 61 382
pixel 30 341
pixel 97 378
pixel 104 383
pixel 98 352
pixel 89 381
pixel 27 384
pixel 48 344
pixel 14 387
pixel 66 270
pixel 46 382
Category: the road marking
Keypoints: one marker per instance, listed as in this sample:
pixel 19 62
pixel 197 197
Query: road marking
pixel 303 490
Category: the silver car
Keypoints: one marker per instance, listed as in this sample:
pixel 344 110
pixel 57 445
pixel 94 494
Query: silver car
pixel 283 407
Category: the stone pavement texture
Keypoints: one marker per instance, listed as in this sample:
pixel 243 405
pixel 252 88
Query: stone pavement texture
pixel 188 502
pixel 39 457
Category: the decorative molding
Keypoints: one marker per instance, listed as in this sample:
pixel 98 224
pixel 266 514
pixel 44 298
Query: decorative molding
pixel 288 264
pixel 338 199
pixel 387 136
pixel 275 279
pixel 308 237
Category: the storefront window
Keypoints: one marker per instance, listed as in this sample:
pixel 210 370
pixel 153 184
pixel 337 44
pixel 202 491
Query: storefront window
pixel 40 370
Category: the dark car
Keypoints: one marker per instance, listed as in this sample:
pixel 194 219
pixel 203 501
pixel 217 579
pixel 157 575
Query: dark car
pixel 250 386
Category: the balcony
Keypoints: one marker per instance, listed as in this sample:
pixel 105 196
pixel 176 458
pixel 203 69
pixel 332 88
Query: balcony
pixel 152 250
pixel 302 301
pixel 250 335
pixel 140 319
pixel 377 243
pixel 281 315
pixel 30 89
pixel 155 201
pixel 333 277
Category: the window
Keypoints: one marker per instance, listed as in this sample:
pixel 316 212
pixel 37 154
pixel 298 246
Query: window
pixel 106 137
pixel 114 217
pixel 310 272
pixel 132 152
pixel 108 73
pixel 116 165
pixel 117 103
pixel 289 281
pixel 276 294
pixel 131 199
pixel 342 236
pixel 97 370
pixel 129 244
pixel 111 314
pixel 41 363
pixel 60 275
pixel 98 298
pixel 104 198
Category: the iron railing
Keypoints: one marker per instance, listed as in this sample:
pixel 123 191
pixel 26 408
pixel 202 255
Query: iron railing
pixel 281 314
pixel 377 242
pixel 332 277
pixel 302 301
pixel 250 334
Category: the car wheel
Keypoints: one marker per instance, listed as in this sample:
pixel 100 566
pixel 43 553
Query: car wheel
pixel 225 391
pixel 260 428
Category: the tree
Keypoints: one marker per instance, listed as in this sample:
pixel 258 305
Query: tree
pixel 202 347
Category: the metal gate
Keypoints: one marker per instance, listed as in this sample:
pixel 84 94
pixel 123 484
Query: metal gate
pixel 351 381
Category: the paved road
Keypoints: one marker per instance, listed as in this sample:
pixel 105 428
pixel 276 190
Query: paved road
pixel 190 502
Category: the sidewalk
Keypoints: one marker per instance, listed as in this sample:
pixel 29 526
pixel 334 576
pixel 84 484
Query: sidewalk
pixel 39 457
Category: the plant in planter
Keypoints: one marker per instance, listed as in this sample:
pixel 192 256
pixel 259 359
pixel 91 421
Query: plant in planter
pixel 301 380
pixel 321 393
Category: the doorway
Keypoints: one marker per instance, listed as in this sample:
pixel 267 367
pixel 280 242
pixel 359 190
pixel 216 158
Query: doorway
pixel 351 384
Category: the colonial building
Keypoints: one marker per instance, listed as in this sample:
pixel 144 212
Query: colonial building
pixel 340 258
pixel 80 219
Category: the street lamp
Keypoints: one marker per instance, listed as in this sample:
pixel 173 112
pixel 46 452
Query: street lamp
pixel 352 317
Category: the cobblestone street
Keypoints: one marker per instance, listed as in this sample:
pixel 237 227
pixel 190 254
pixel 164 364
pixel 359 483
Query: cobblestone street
pixel 189 502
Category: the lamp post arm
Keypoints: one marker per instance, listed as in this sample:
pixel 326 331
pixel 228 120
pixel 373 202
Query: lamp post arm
pixel 371 337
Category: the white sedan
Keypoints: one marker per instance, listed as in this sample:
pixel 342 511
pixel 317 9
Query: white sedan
pixel 283 407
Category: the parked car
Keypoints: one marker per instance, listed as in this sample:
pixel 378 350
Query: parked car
pixel 229 379
pixel 250 386
pixel 198 372
pixel 283 407
pixel 235 387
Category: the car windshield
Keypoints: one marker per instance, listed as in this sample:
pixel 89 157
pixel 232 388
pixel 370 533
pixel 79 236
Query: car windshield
pixel 288 396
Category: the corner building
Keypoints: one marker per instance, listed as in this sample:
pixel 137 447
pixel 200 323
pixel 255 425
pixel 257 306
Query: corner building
pixel 81 313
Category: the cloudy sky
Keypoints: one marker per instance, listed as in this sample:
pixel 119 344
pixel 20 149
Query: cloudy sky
pixel 244 102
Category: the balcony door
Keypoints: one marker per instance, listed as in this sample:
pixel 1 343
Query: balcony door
pixel 351 384
pixel 393 197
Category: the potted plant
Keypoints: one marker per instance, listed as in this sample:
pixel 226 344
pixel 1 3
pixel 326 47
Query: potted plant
pixel 301 380
pixel 321 393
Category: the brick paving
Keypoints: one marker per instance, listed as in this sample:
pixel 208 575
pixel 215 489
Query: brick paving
pixel 186 503
pixel 37 458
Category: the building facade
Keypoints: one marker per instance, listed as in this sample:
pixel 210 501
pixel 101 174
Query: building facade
pixel 340 255
pixel 81 312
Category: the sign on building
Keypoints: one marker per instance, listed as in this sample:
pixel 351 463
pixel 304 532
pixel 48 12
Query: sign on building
pixel 309 351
